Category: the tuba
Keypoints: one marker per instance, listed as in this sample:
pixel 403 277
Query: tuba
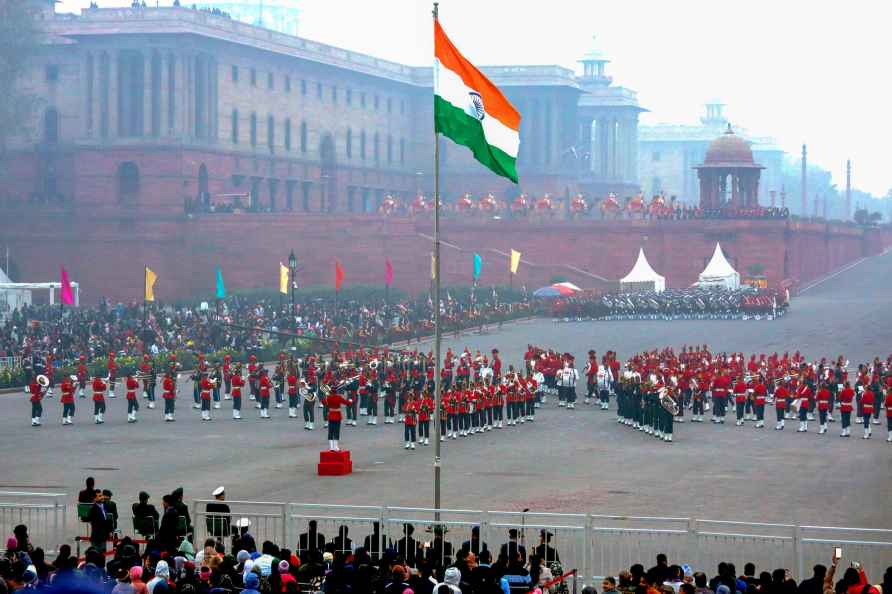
pixel 43 380
pixel 373 364
pixel 668 402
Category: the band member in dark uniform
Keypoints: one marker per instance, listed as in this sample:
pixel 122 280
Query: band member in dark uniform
pixel 149 377
pixel 308 394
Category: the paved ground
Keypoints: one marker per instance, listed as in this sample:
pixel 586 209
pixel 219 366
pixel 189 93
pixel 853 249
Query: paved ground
pixel 580 461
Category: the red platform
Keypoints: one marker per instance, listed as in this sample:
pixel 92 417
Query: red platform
pixel 335 463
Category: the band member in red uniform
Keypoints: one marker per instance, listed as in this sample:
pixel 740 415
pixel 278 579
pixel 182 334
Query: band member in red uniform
pixel 781 394
pixel 867 403
pixel 204 393
pixel 591 376
pixel 264 385
pixel 410 410
pixel 67 388
pixel 169 395
pixel 425 409
pixel 99 388
pixel 291 379
pixel 846 399
pixel 131 385
pixel 238 382
pixel 720 387
pixel 739 399
pixel 112 375
pixel 804 394
pixel 496 366
pixel 888 406
pixel 823 398
pixel 760 393
pixel 333 403
pixel 36 393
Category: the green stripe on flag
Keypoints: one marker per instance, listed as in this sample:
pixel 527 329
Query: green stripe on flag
pixel 456 124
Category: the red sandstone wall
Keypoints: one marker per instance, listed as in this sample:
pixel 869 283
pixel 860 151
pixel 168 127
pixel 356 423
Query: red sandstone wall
pixel 107 255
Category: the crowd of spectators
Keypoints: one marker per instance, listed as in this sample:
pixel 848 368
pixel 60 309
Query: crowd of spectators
pixel 32 332
pixel 230 566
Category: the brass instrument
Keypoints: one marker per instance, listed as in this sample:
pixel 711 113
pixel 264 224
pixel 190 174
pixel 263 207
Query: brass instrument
pixel 668 402
pixel 43 380
pixel 373 364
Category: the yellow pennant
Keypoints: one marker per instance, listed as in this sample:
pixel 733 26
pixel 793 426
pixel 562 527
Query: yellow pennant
pixel 515 261
pixel 151 277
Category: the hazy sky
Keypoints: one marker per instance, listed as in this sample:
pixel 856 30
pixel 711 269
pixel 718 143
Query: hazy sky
pixel 801 71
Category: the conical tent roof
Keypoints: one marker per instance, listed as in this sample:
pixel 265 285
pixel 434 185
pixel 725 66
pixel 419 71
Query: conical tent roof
pixel 719 271
pixel 642 272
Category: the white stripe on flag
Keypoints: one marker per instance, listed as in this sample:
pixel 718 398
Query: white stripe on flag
pixel 450 87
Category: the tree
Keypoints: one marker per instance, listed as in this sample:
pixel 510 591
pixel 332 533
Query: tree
pixel 18 43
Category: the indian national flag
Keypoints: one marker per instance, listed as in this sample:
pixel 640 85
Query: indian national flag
pixel 472 111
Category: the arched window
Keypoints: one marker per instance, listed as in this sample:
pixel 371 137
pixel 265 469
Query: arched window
pixel 349 143
pixel 51 126
pixel 303 137
pixel 271 133
pixel 362 145
pixel 234 126
pixel 253 129
pixel 287 134
pixel 377 152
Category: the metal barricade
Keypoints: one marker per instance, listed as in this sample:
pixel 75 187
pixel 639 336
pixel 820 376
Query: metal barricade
pixel 44 515
pixel 554 537
pixel 617 542
pixel 768 546
pixel 872 547
pixel 312 527
pixel 269 520
pixel 425 533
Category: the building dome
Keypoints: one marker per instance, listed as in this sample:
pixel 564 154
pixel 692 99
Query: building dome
pixel 729 149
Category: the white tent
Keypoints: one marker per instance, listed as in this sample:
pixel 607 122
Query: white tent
pixel 642 277
pixel 719 273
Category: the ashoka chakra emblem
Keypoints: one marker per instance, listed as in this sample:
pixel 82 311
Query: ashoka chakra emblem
pixel 475 108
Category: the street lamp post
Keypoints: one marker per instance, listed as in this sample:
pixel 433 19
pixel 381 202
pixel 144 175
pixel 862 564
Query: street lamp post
pixel 292 267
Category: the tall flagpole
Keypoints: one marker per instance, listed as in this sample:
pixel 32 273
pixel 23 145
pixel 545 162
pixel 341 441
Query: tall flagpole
pixel 437 330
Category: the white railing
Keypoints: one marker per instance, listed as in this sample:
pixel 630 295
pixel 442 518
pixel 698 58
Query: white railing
pixel 44 514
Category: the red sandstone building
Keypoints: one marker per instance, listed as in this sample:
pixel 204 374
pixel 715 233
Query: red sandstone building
pixel 144 111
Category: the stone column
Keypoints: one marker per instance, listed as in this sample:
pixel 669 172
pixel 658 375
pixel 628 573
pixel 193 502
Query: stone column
pixel 145 58
pixel 611 148
pixel 117 93
pixel 162 94
pixel 620 149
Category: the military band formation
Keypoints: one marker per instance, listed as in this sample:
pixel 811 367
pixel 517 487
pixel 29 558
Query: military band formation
pixel 653 390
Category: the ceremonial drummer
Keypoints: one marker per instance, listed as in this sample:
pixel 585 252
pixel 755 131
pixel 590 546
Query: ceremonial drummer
pixel 99 388
pixel 169 394
pixel 131 385
pixel 238 383
pixel 67 388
